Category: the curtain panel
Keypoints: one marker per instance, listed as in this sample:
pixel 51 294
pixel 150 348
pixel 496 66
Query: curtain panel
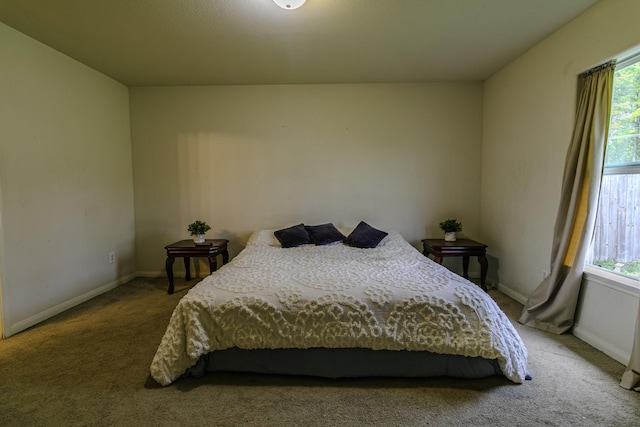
pixel 552 305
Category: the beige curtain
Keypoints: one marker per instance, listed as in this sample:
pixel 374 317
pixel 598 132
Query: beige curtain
pixel 551 307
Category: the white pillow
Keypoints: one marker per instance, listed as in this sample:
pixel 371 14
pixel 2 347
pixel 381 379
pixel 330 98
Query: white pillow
pixel 263 238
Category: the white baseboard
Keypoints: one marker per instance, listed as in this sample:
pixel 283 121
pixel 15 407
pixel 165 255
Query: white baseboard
pixel 57 309
pixel 499 286
pixel 151 274
pixel 603 346
pixel 177 274
pixel 583 335
pixel 511 293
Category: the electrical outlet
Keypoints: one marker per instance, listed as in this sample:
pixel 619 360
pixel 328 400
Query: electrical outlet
pixel 112 257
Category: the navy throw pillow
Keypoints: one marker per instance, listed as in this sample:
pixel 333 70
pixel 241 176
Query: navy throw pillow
pixel 293 236
pixel 324 234
pixel 365 236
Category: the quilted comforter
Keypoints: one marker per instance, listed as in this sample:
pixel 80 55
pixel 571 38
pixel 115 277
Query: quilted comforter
pixel 335 296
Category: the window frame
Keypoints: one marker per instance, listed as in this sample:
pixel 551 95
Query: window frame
pixel 599 274
pixel 612 279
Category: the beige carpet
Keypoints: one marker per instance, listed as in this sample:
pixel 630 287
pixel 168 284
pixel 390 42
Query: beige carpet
pixel 90 366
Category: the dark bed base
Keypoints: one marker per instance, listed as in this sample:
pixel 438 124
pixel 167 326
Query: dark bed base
pixel 348 362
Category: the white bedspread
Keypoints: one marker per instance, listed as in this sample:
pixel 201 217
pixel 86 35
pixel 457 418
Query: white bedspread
pixel 390 297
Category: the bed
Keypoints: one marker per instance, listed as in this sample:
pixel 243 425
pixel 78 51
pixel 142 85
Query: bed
pixel 336 310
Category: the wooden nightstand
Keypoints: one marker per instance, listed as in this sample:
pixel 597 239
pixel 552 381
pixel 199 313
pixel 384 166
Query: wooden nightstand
pixel 465 248
pixel 187 249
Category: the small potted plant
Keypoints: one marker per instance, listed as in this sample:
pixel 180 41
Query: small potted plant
pixel 450 227
pixel 197 230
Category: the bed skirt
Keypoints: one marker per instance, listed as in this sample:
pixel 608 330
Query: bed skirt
pixel 344 363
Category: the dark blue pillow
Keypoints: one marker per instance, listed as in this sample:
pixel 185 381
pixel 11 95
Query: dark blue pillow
pixel 365 236
pixel 324 234
pixel 293 236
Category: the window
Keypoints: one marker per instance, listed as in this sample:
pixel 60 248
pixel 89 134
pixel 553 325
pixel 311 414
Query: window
pixel 616 242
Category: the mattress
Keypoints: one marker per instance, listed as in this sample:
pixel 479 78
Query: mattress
pixel 389 298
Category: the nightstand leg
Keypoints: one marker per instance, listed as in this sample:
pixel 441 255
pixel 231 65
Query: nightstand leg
pixel 169 265
pixel 483 271
pixel 465 267
pixel 187 268
pixel 213 264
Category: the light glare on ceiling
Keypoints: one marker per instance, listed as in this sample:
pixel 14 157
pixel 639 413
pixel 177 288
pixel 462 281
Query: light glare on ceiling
pixel 289 4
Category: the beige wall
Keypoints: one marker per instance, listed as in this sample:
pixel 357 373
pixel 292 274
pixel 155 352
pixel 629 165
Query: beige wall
pixel 528 117
pixel 400 157
pixel 65 181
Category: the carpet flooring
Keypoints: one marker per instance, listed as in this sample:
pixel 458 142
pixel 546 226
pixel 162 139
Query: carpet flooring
pixel 89 366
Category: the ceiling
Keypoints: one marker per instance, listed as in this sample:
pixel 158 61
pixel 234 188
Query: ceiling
pixel 220 42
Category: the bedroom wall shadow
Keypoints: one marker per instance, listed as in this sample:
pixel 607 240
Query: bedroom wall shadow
pixel 455 264
pixel 492 272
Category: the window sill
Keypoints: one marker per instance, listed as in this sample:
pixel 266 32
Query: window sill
pixel 612 280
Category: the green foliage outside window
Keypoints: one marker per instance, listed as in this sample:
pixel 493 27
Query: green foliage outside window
pixel 623 146
pixel 631 268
